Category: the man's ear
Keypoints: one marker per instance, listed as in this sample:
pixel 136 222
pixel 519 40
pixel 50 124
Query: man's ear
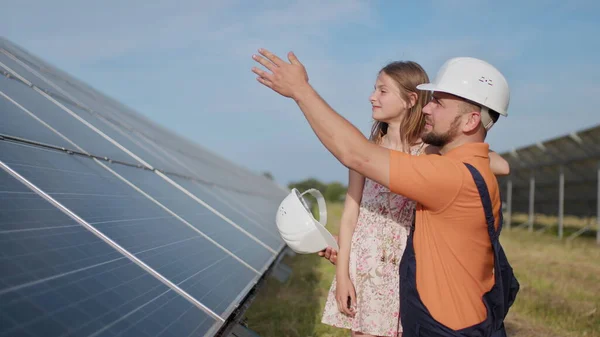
pixel 473 122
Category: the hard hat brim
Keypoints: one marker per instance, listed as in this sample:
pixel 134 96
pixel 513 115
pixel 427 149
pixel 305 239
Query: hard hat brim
pixel 326 235
pixel 429 87
pixel 435 88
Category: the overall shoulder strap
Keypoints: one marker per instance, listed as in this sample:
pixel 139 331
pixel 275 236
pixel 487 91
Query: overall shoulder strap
pixel 486 201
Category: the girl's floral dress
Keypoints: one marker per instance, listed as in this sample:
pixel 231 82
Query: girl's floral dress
pixel 378 243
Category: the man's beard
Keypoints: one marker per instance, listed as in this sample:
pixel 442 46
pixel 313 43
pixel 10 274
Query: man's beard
pixel 441 140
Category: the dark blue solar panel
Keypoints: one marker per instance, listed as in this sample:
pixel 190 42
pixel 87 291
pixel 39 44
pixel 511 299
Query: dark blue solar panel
pixel 61 120
pixel 203 219
pixel 199 216
pixel 123 138
pixel 264 209
pixel 233 212
pixel 10 63
pixel 209 170
pixel 66 124
pixel 53 79
pixel 16 122
pixel 125 127
pixel 155 236
pixel 236 200
pixel 59 279
pixel 134 222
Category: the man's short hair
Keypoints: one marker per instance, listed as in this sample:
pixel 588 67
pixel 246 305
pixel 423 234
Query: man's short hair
pixel 488 117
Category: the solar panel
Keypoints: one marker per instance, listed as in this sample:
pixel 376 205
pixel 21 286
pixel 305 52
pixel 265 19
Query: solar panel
pixel 133 221
pixel 563 175
pixel 60 279
pixel 259 230
pixel 195 229
pixel 261 206
pixel 102 116
pixel 227 234
pixel 9 63
pixel 237 200
pixel 16 122
pixel 60 121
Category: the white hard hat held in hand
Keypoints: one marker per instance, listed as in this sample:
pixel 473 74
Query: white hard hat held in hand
pixel 299 228
pixel 476 81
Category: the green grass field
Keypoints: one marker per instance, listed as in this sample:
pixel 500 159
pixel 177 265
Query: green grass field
pixel 560 289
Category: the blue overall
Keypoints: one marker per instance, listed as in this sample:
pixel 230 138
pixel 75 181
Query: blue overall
pixel 416 319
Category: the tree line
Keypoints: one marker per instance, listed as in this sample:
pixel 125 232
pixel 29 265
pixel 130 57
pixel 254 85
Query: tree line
pixel 332 192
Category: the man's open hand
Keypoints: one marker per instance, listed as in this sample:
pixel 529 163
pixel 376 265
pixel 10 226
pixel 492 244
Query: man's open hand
pixel 287 79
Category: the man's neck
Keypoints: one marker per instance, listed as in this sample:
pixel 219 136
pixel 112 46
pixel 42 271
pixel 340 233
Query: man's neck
pixel 461 140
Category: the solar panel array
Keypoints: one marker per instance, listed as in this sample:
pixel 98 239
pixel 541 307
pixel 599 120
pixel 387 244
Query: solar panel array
pixel 111 225
pixel 556 177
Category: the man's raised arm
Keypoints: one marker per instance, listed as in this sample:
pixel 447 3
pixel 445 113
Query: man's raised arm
pixel 419 178
pixel 338 135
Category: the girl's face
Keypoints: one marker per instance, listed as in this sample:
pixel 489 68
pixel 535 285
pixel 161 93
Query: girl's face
pixel 387 101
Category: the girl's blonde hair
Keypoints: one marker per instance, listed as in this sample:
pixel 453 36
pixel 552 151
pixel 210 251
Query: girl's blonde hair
pixel 407 75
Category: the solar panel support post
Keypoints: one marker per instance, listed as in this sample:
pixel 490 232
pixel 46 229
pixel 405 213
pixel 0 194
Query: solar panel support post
pixel 598 206
pixel 531 200
pixel 509 203
pixel 561 201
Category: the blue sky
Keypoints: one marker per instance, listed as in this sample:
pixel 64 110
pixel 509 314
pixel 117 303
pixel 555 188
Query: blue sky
pixel 186 64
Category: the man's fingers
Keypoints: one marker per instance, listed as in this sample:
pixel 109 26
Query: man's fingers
pixel 272 57
pixel 263 74
pixel 293 59
pixel 265 82
pixel 269 65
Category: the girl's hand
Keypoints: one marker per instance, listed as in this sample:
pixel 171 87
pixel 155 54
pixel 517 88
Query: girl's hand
pixel 330 253
pixel 346 296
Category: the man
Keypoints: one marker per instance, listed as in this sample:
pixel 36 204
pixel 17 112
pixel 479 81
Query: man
pixel 454 277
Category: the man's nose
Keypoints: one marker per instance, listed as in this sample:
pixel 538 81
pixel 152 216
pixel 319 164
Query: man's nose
pixel 426 109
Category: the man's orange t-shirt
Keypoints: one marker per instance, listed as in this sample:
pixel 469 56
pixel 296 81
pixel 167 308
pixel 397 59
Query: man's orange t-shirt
pixel 453 253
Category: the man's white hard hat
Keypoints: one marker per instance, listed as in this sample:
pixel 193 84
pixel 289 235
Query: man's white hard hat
pixel 299 228
pixel 474 80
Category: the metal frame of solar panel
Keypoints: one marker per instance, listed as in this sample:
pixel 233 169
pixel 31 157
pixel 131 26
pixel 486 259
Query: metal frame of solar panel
pixel 111 225
pixel 560 176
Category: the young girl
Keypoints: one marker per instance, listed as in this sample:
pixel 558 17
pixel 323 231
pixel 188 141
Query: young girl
pixel 364 295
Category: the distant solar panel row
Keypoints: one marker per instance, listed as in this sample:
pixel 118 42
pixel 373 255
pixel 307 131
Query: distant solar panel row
pixel 539 166
pixel 558 177
pixel 113 226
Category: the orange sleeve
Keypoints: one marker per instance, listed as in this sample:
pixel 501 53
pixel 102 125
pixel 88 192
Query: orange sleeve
pixel 431 180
